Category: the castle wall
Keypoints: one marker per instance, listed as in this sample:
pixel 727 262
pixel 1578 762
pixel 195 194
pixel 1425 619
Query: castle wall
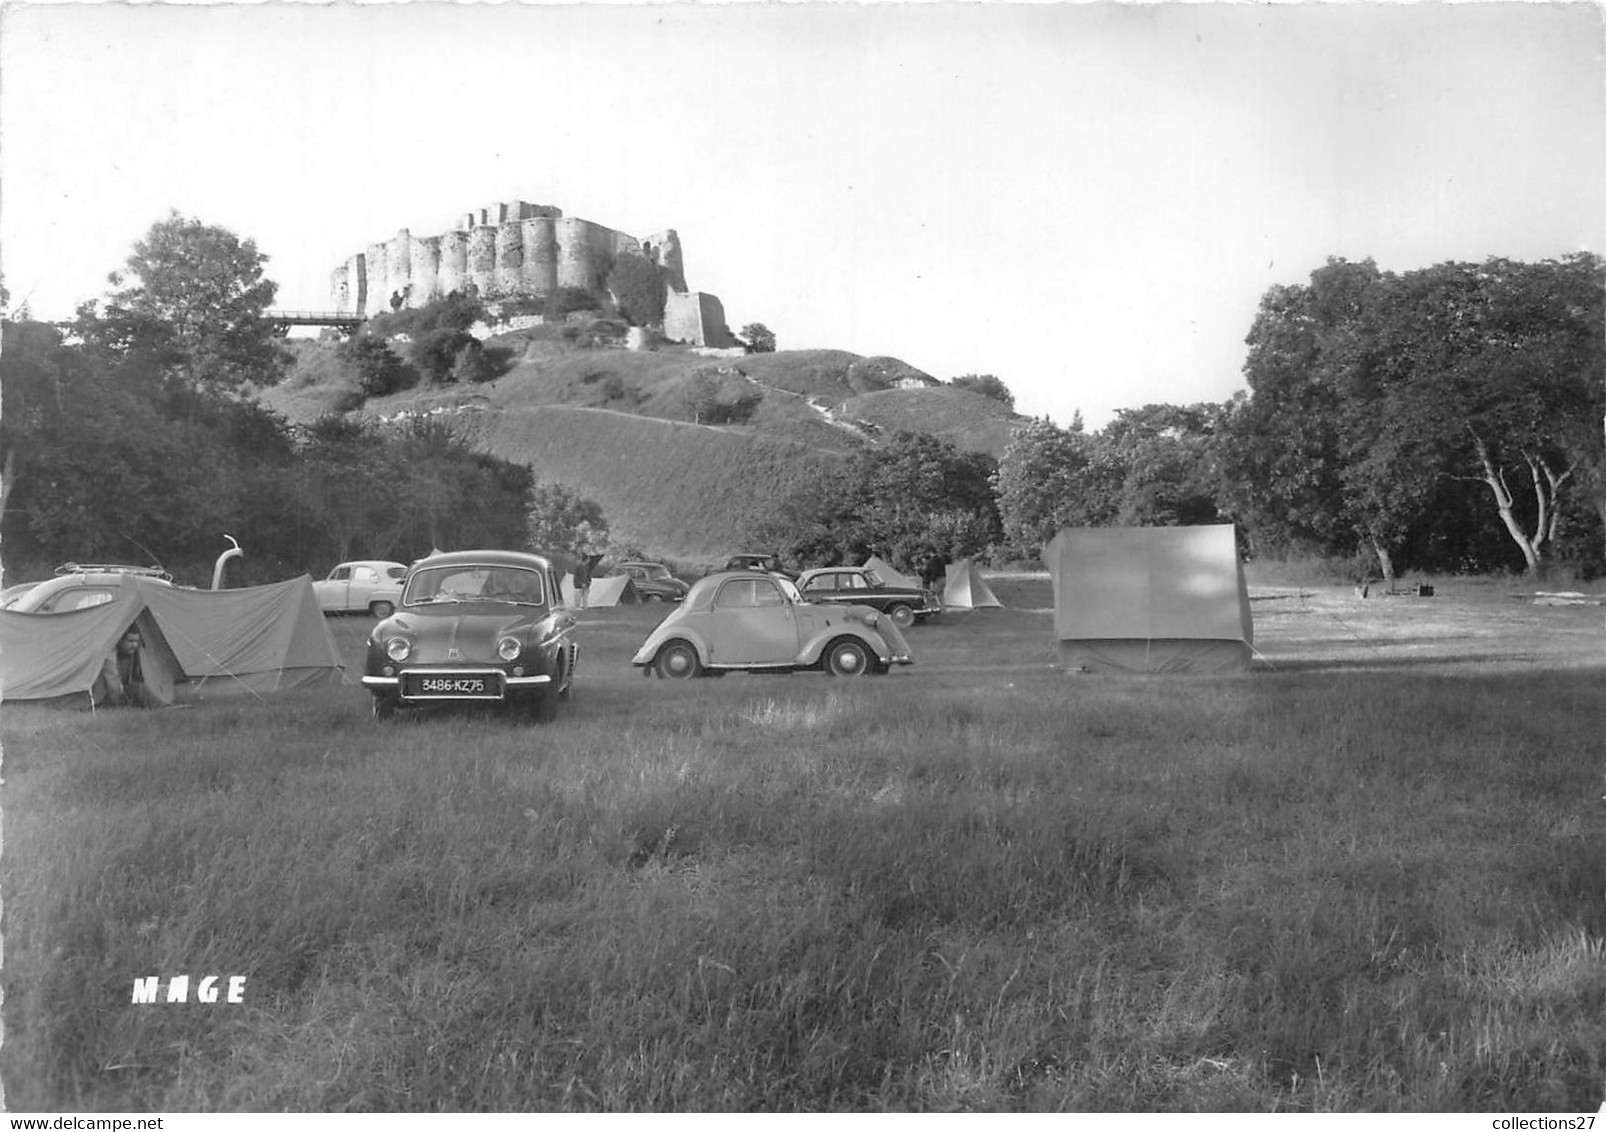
pixel 378 292
pixel 452 273
pixel 424 256
pixel 509 257
pixel 482 258
pixel 540 275
pixel 517 248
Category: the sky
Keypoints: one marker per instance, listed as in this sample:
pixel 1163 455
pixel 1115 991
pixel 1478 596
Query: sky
pixel 1087 200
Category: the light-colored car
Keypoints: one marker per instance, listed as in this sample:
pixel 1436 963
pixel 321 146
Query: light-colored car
pixel 361 587
pixel 752 621
pixel 76 586
pixel 475 626
pixel 861 585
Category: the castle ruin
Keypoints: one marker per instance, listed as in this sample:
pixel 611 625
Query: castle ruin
pixel 515 249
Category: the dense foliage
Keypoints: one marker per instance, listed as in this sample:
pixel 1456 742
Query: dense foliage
pixel 758 338
pixel 638 286
pixel 987 385
pixel 105 463
pixel 562 523
pixel 911 500
pixel 1447 418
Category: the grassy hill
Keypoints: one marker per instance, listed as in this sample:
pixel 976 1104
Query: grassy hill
pixel 629 428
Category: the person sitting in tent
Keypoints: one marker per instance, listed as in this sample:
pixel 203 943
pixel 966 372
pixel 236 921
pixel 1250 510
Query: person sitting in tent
pixel 122 681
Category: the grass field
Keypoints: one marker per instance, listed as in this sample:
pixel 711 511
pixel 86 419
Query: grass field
pixel 1369 875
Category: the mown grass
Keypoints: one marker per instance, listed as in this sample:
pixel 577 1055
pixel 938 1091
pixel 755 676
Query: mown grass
pixel 974 885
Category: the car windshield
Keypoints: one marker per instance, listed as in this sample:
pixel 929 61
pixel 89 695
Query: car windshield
pixel 504 584
pixel 789 590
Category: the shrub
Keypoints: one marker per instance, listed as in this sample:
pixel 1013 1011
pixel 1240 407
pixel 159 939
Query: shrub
pixel 456 311
pixel 638 288
pixel 379 370
pixel 758 338
pixel 987 385
pixel 566 300
pixel 474 364
pixel 434 353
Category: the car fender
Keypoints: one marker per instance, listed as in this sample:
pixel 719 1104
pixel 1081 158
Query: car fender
pixel 648 652
pixel 815 645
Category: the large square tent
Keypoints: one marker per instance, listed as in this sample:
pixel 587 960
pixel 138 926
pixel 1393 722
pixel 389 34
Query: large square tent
pixel 1150 599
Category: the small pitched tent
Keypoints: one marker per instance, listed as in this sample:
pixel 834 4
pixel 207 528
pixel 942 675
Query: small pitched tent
pixel 258 639
pixel 47 656
pixel 1150 599
pixel 965 589
pixel 616 589
pixel 888 574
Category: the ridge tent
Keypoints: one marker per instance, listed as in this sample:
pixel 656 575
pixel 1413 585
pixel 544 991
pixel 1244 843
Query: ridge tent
pixel 1150 599
pixel 53 656
pixel 888 574
pixel 268 638
pixel 964 588
pixel 615 589
pixel 258 639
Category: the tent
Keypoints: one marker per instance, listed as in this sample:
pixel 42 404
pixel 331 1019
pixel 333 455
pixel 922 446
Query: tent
pixel 889 575
pixel 45 656
pixel 965 589
pixel 616 589
pixel 259 639
pixel 1150 599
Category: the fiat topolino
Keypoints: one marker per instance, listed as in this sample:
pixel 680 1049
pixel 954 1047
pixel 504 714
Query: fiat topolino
pixel 749 621
pixel 474 626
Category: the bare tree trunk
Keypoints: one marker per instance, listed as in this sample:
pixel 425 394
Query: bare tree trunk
pixel 1496 479
pixel 1385 562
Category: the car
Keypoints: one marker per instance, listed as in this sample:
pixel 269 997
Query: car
pixel 861 585
pixel 361 587
pixel 486 627
pixel 77 586
pixel 754 621
pixel 653 581
pixel 769 563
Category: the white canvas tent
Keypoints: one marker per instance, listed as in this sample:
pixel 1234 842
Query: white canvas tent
pixel 1150 599
pixel 615 589
pixel 965 589
pixel 259 639
pixel 888 575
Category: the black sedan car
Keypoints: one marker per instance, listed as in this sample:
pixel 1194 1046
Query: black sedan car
pixel 861 585
pixel 474 626
pixel 653 581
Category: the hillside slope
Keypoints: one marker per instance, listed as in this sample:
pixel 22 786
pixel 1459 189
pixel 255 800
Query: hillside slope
pixel 622 427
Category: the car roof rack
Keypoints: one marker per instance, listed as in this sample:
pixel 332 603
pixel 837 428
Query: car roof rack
pixel 112 568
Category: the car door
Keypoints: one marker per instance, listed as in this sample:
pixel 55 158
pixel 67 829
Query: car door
pixel 364 581
pixel 332 590
pixel 753 623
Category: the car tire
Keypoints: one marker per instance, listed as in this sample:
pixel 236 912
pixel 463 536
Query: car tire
pixel 902 616
pixel 381 609
pixel 847 657
pixel 384 709
pixel 678 661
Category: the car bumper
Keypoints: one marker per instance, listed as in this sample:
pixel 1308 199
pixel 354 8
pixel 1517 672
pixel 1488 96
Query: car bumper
pixel 504 684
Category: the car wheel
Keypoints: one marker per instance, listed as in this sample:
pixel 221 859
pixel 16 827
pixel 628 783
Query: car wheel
pixel 381 609
pixel 544 705
pixel 847 657
pixel 384 708
pixel 902 616
pixel 678 661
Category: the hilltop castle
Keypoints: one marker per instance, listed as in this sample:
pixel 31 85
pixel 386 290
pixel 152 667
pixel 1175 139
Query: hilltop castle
pixel 516 249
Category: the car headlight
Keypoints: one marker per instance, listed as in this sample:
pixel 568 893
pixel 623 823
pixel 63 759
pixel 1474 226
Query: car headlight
pixel 398 648
pixel 508 648
pixel 872 619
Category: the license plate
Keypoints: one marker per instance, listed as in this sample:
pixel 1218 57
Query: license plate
pixel 451 686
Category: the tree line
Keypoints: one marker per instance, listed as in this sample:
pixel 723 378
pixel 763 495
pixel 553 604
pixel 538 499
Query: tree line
pixel 1448 419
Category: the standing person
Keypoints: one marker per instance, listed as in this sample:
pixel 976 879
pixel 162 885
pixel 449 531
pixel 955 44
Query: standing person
pixel 582 581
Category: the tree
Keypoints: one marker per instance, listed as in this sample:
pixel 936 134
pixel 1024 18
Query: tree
pixel 1044 482
pixel 638 288
pixel 758 338
pixel 560 520
pixel 987 385
pixel 191 300
pixel 379 370
pixel 1159 463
